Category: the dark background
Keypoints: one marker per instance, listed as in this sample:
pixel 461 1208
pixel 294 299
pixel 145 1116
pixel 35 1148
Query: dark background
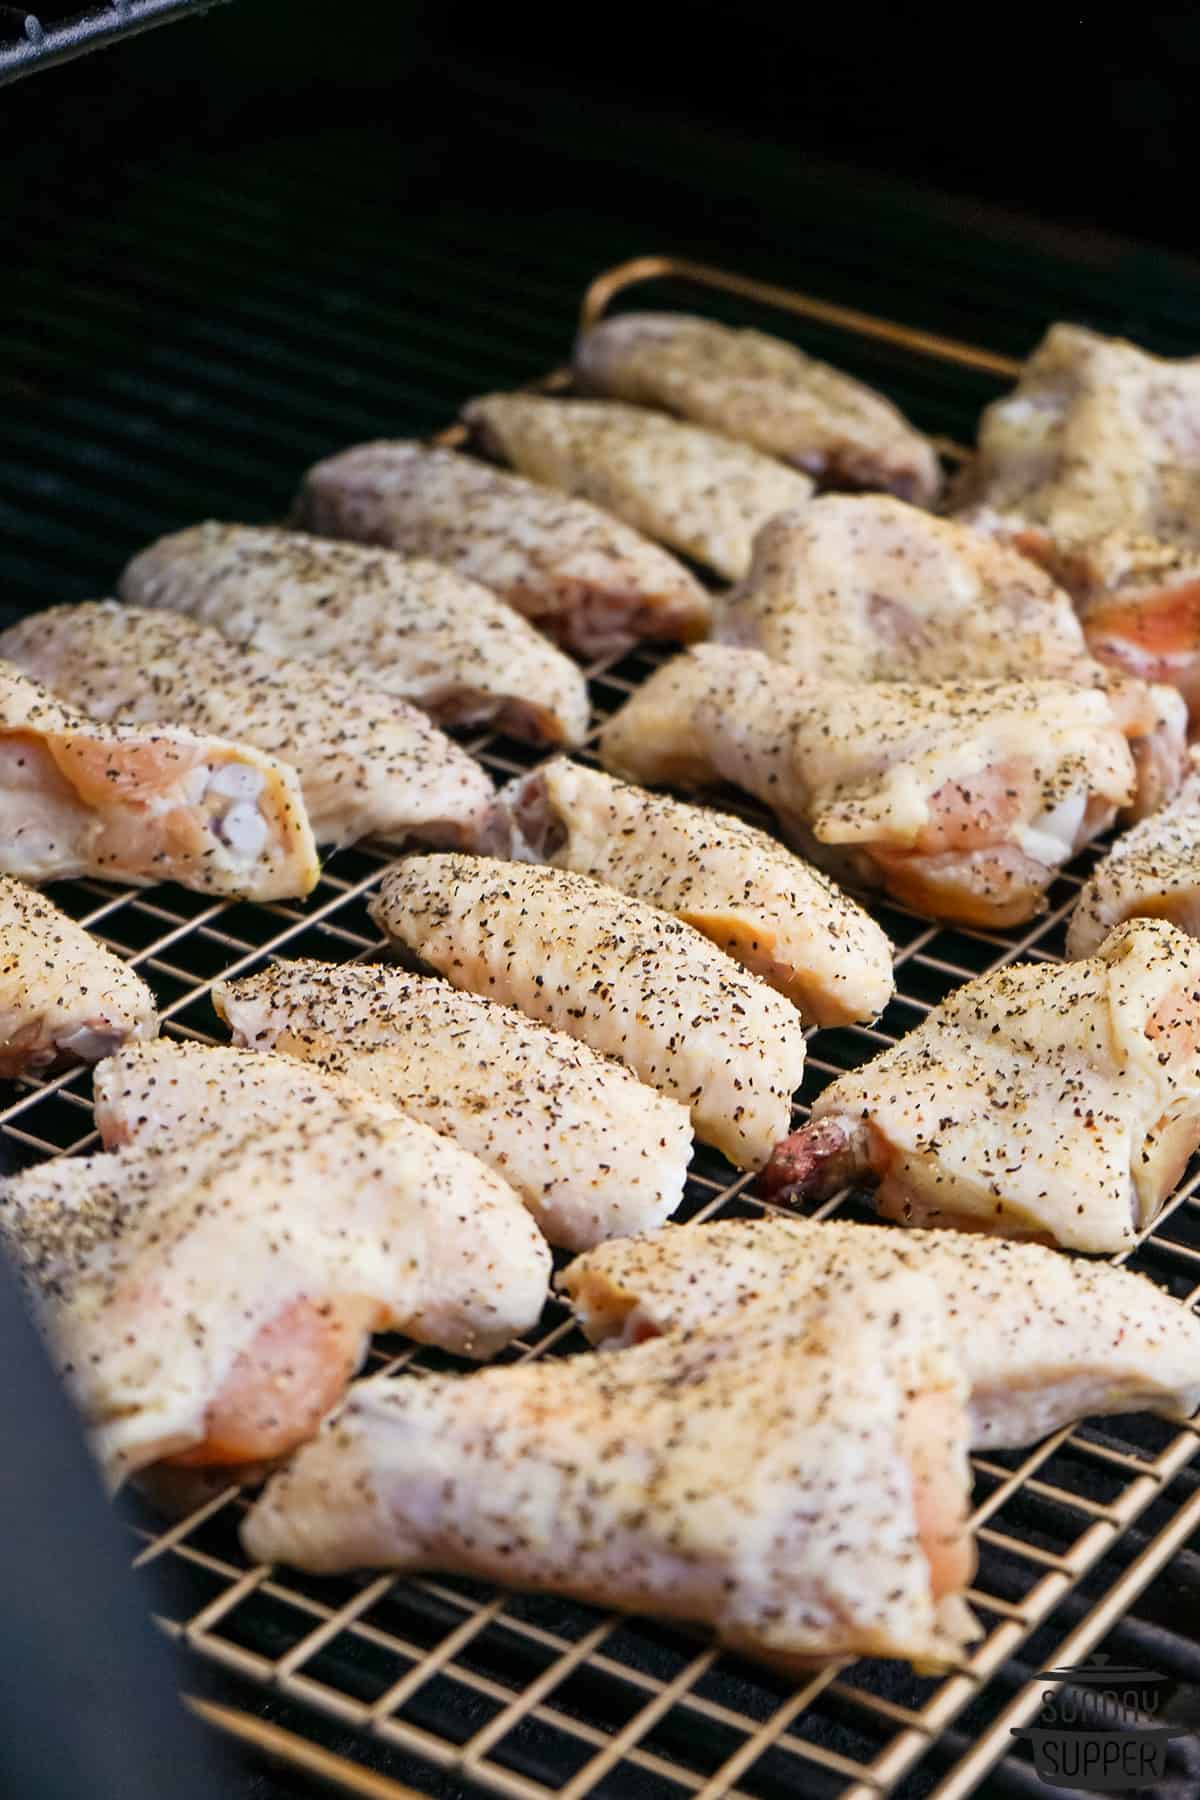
pixel 1083 118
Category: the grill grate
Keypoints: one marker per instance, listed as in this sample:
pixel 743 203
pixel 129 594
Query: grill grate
pixel 389 1686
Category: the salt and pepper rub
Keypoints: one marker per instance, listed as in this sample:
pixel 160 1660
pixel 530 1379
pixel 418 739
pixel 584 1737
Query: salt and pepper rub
pixel 764 392
pixel 804 1493
pixel 1059 1101
pixel 64 997
pixel 144 803
pixel 592 1151
pixel 763 905
pixel 369 763
pixel 963 799
pixel 586 579
pixel 629 980
pixel 408 625
pixel 703 495
pixel 1044 1339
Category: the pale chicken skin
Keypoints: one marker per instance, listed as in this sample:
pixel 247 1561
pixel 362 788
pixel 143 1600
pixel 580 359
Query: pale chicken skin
pixel 765 907
pixel 592 1151
pixel 208 1297
pixel 1057 1101
pixel 865 588
pixel 804 1494
pixel 591 582
pixel 368 762
pixel 616 973
pixel 1151 872
pixel 64 997
pixel 703 495
pixel 761 391
pixel 1090 465
pixel 407 625
pixel 1044 1339
pixel 144 803
pixel 962 799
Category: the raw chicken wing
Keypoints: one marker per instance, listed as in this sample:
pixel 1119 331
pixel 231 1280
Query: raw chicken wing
pixel 629 980
pixel 703 495
pixel 410 627
pixel 1058 1101
pixel 1091 465
pixel 63 996
pixel 962 799
pixel 766 907
pixel 591 582
pixel 1151 872
pixel 803 1493
pixel 368 762
pixel 764 392
pixel 144 803
pixel 591 1150
pixel 208 1296
pixel 1044 1339
pixel 865 588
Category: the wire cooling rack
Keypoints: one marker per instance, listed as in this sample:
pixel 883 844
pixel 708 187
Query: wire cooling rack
pixel 390 1687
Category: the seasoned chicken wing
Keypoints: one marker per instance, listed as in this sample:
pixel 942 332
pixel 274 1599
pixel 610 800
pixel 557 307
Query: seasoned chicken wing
pixel 63 996
pixel 803 1493
pixel 208 1295
pixel 861 587
pixel 591 582
pixel 368 762
pixel 1044 1339
pixel 699 493
pixel 764 392
pixel 1091 465
pixel 962 799
pixel 1151 872
pixel 592 1151
pixel 766 907
pixel 144 803
pixel 1059 1101
pixel 865 588
pixel 409 626
pixel 629 980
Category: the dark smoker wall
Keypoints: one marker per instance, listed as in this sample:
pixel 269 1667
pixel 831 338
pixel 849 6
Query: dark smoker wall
pixel 1053 112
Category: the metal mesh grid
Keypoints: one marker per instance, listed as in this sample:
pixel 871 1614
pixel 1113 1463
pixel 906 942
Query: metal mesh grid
pixel 531 1696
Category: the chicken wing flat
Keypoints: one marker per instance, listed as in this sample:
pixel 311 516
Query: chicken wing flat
pixel 144 803
pixel 804 1494
pixel 764 392
pixel 592 1151
pixel 63 996
pixel 865 588
pixel 407 625
pixel 368 762
pixel 584 577
pixel 1090 465
pixel 703 495
pixel 1044 1339
pixel 629 980
pixel 208 1297
pixel 1058 1101
pixel 1151 872
pixel 757 901
pixel 961 799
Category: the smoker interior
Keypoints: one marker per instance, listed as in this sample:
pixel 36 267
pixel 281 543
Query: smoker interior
pixel 187 354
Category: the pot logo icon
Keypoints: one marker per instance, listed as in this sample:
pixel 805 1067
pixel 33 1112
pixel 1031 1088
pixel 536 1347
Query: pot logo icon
pixel 1108 1728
